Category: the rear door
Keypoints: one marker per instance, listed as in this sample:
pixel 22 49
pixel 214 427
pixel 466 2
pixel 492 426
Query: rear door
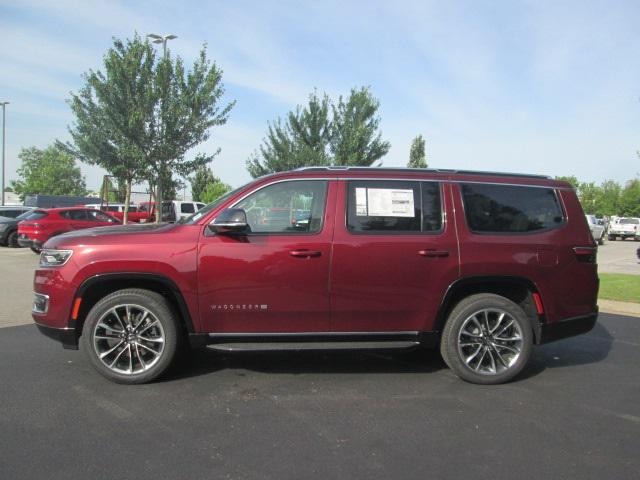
pixel 395 252
pixel 275 278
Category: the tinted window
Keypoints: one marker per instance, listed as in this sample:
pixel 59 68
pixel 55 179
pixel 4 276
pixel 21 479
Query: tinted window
pixel 133 209
pixel 36 215
pixel 510 209
pixel 187 208
pixel 378 206
pixel 10 213
pixel 97 216
pixel 277 208
pixel 74 214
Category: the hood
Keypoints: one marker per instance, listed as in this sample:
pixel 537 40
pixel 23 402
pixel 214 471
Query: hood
pixel 93 235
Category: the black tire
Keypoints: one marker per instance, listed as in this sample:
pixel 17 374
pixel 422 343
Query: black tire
pixel 505 367
pixel 601 240
pixel 612 238
pixel 159 310
pixel 12 240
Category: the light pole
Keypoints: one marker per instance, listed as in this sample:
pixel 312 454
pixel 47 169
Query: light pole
pixel 163 39
pixel 4 121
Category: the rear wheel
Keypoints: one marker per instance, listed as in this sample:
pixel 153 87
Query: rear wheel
pixel 131 336
pixel 12 240
pixel 487 339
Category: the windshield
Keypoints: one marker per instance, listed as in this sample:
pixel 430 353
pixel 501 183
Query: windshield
pixel 190 220
pixel 630 221
pixel 24 215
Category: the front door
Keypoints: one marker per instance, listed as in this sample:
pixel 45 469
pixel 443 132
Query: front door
pixel 274 279
pixel 395 253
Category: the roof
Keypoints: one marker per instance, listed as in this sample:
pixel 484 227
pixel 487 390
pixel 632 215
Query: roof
pixel 420 170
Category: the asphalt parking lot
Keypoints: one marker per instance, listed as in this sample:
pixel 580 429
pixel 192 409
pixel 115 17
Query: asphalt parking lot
pixel 574 413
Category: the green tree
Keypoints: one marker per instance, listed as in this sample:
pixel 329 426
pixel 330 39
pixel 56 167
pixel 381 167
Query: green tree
pixel 214 190
pixel 51 171
pixel 589 195
pixel 355 136
pixel 322 133
pixel 417 155
pixel 575 183
pixel 609 202
pixel 140 116
pixel 301 140
pixel 630 199
pixel 200 181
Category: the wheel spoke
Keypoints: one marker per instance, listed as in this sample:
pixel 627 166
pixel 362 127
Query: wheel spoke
pixel 500 318
pixel 107 337
pixel 111 350
pixel 503 329
pixel 148 327
pixel 140 359
pixel 143 317
pixel 115 314
pixel 146 348
pixel 118 356
pixel 504 347
pixel 500 357
pixel 479 364
pixel 493 361
pixel 153 340
pixel 470 358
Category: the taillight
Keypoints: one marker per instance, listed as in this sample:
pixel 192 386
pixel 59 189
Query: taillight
pixel 585 254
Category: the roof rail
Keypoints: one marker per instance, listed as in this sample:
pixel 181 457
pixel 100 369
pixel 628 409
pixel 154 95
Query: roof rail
pixel 421 170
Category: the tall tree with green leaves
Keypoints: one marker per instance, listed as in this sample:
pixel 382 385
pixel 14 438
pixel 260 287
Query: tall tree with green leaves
pixel 322 133
pixel 630 199
pixel 302 139
pixel 355 136
pixel 51 171
pixel 200 181
pixel 140 116
pixel 417 155
pixel 214 190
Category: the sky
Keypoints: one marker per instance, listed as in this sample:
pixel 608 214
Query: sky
pixel 547 87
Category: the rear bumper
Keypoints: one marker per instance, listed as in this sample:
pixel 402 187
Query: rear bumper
pixel 28 243
pixel 570 327
pixel 67 336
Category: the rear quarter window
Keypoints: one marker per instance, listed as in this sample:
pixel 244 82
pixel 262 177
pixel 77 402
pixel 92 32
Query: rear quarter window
pixel 493 208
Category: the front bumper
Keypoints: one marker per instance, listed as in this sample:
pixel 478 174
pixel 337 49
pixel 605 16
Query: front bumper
pixel 570 327
pixel 67 336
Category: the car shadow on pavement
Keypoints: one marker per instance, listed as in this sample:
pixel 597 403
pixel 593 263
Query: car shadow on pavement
pixel 415 360
pixel 581 350
pixel 592 347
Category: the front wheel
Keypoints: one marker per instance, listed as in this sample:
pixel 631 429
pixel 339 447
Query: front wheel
pixel 487 339
pixel 131 336
pixel 12 240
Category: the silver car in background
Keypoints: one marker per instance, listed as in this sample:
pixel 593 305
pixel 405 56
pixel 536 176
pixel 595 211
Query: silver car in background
pixel 597 229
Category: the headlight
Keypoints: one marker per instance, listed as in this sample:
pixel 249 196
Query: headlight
pixel 54 258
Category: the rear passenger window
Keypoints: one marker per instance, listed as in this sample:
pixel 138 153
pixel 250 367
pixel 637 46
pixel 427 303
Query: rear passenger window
pixel 510 209
pixel 387 206
pixel 187 208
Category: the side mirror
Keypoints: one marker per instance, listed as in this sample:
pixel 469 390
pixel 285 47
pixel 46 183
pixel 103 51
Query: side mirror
pixel 230 221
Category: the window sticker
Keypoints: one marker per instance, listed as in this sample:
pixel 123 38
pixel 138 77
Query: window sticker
pixel 384 202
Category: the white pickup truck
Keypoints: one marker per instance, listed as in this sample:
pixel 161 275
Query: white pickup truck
pixel 624 228
pixel 597 229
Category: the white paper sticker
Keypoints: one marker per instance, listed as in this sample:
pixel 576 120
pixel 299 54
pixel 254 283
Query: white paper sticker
pixel 384 202
pixel 361 202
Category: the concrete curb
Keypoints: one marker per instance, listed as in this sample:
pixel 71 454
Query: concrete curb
pixel 622 308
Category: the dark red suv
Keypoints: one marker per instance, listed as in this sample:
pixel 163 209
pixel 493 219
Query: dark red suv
pixel 483 265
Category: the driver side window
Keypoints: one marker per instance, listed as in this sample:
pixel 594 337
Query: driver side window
pixel 286 207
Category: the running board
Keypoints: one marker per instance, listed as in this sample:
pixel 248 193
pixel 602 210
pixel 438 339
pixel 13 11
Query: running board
pixel 313 340
pixel 263 346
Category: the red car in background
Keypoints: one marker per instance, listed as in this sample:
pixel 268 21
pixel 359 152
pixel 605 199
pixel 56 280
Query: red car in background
pixel 46 223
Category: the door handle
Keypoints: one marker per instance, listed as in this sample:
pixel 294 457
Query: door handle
pixel 305 253
pixel 433 253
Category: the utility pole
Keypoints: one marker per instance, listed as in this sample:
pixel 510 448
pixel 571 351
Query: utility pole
pixel 163 39
pixel 4 121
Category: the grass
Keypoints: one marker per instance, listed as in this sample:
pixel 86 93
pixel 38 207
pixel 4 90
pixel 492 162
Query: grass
pixel 621 287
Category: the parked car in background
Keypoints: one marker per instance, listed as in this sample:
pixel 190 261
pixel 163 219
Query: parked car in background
pixel 479 264
pixel 13 211
pixel 172 210
pixel 9 229
pixel 135 215
pixel 57 201
pixel 626 227
pixel 41 225
pixel 597 228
